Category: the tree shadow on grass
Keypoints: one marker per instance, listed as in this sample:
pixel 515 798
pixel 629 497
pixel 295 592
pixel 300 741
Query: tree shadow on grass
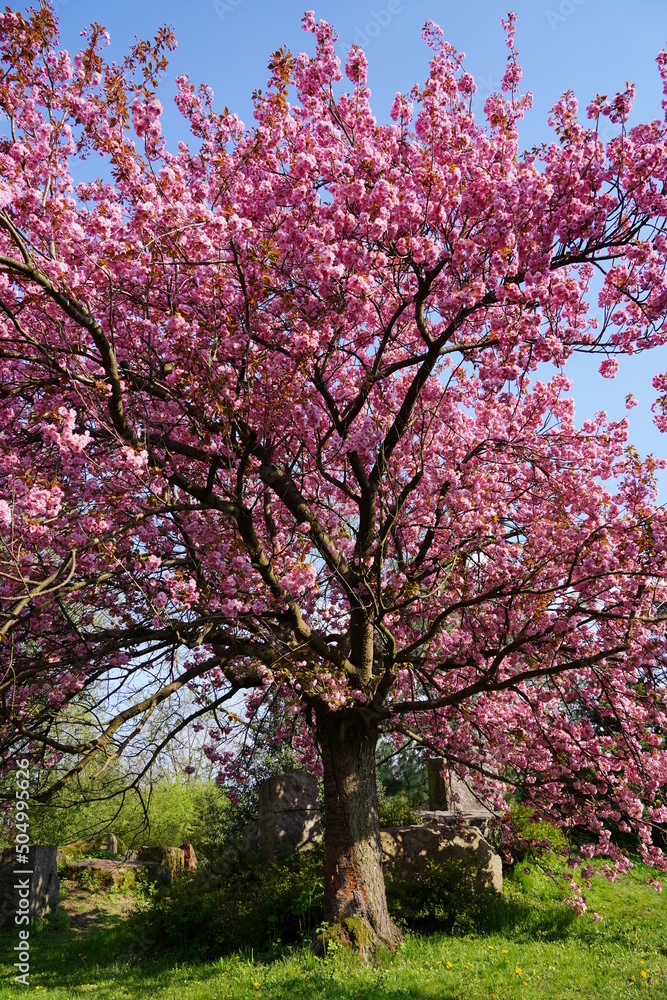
pixel 97 942
pixel 91 938
pixel 524 922
pixel 115 950
pixel 446 897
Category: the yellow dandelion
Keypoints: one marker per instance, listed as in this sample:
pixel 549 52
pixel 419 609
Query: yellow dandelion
pixel 632 978
pixel 490 947
pixel 504 951
pixel 525 983
pixel 642 974
pixel 518 970
pixel 449 965
pixel 256 985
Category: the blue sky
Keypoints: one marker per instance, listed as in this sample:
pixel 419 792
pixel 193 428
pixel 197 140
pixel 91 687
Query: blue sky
pixel 589 46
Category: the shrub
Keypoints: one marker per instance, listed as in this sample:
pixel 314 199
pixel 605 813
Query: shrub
pixel 248 904
pixel 177 811
pixel 439 895
pixel 396 810
pixel 530 833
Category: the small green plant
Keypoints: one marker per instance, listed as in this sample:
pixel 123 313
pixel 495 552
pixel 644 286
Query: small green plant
pixel 396 810
pixel 534 837
pixel 86 879
pixel 345 934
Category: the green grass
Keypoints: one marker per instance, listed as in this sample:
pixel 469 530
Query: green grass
pixel 559 956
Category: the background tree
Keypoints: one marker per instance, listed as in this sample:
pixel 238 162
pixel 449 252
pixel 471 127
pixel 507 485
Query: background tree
pixel 286 408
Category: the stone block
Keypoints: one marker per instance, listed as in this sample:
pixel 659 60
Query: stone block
pixel 449 818
pixel 250 841
pixel 97 844
pixel 159 864
pixel 415 844
pixel 286 792
pixel 293 831
pixel 172 859
pixel 189 857
pixel 438 786
pixel 44 884
pixel 463 799
pixel 107 872
pixel 289 814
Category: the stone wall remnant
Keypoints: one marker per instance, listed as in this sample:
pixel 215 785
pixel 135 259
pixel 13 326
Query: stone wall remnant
pixel 289 814
pixel 409 844
pixel 41 874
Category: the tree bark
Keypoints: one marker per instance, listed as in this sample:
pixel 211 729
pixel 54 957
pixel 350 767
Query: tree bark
pixel 353 879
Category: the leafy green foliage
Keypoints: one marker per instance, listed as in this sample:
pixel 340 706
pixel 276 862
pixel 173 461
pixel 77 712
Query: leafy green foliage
pixel 246 904
pixel 439 895
pixel 171 812
pixel 396 810
pixel 529 834
pixel 403 773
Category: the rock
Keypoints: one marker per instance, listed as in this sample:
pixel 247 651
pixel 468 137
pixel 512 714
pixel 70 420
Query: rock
pixel 463 799
pixel 289 814
pixel 189 857
pixel 410 844
pixel 100 842
pixel 171 859
pixel 449 793
pixel 449 818
pixel 105 872
pixel 438 787
pixel 157 864
pixel 250 841
pixel 41 874
pixel 296 831
pixel 288 792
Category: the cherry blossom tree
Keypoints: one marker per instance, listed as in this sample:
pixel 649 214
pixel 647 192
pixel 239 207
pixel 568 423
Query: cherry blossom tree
pixel 284 412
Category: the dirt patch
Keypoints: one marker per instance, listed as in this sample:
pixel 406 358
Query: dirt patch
pixel 88 908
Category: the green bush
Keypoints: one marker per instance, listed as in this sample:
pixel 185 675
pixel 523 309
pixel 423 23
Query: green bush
pixel 249 904
pixel 529 833
pixel 176 812
pixel 396 810
pixel 440 895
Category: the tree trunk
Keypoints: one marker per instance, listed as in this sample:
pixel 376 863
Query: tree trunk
pixel 353 878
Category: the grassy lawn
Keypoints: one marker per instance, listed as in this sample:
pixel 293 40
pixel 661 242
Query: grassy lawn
pixel 538 951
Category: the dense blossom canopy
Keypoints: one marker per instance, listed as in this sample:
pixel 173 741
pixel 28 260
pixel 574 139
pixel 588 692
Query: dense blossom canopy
pixel 285 410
